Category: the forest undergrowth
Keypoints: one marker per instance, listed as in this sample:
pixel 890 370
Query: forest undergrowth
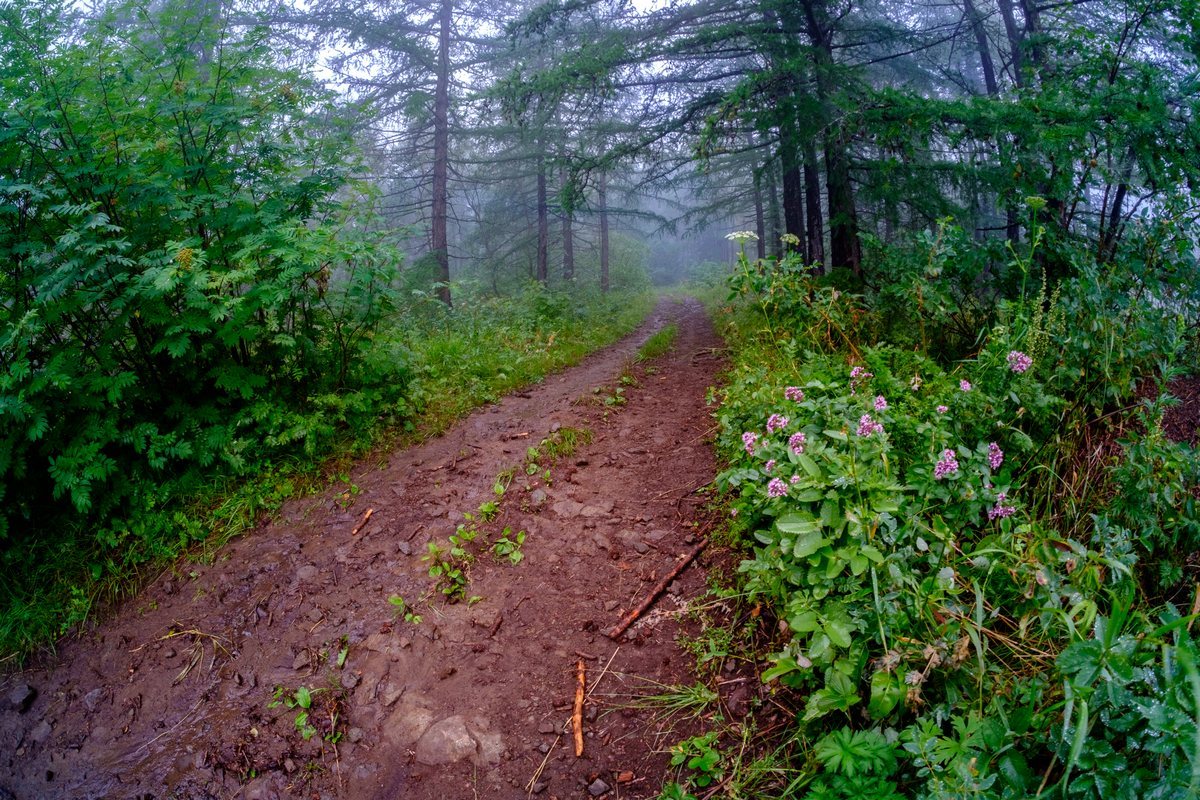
pixel 969 551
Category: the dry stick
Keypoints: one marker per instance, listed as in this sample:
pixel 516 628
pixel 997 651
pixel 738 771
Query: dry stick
pixel 632 616
pixel 363 523
pixel 577 715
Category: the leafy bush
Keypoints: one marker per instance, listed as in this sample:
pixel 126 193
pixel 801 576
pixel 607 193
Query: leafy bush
pixel 948 597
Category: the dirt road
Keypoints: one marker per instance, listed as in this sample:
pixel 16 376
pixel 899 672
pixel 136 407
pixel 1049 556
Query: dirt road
pixel 172 697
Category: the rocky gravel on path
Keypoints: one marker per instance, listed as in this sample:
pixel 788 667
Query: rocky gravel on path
pixel 286 667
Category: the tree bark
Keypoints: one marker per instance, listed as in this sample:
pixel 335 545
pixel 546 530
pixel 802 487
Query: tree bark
pixel 543 223
pixel 844 248
pixel 776 244
pixel 603 203
pixel 985 52
pixel 439 222
pixel 568 236
pixel 812 205
pixel 760 222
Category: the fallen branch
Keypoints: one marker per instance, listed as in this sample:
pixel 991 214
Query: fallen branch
pixel 658 589
pixel 363 522
pixel 577 715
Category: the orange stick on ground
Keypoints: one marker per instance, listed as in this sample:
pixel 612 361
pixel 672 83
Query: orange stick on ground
pixel 363 523
pixel 658 589
pixel 577 715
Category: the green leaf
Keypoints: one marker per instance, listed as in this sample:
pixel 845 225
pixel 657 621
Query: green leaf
pixel 887 690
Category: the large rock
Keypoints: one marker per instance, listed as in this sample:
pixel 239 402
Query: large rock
pixel 446 742
pixel 456 738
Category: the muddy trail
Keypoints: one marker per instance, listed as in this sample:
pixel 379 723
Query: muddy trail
pixel 173 696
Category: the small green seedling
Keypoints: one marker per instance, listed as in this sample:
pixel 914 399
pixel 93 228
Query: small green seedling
pixel 510 548
pixel 403 609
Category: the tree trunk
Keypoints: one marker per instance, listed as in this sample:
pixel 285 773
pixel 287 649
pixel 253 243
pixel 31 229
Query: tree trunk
pixel 1014 41
pixel 844 248
pixel 773 231
pixel 812 205
pixel 985 52
pixel 439 243
pixel 760 222
pixel 603 202
pixel 568 236
pixel 543 224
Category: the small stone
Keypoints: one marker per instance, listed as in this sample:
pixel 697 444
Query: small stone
pixel 41 733
pixel 355 735
pixel 92 699
pixel 546 726
pixel 22 697
pixel 611 605
pixel 625 777
pixel 404 548
pixel 540 787
pixel 169 652
pixel 641 547
pixel 289 766
pixel 301 660
pixel 306 573
pixel 350 679
pixel 390 693
pixel 537 497
pixel 598 787
pixel 543 748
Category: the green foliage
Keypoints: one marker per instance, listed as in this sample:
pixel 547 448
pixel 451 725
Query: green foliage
pixel 509 548
pixel 965 606
pixel 700 755
pixel 659 343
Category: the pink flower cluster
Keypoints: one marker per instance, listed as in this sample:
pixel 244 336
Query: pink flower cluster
pixel 1000 511
pixel 995 456
pixel 880 403
pixel 868 426
pixel 776 488
pixel 1018 361
pixel 859 376
pixel 943 409
pixel 770 465
pixel 749 440
pixel 777 422
pixel 947 465
pixel 794 393
pixel 796 443
pixel 964 385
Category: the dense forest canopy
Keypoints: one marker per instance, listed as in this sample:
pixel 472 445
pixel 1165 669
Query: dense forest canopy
pixel 239 235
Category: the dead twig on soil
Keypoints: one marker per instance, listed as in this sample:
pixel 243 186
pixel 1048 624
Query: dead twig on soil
pixel 362 524
pixel 577 714
pixel 658 589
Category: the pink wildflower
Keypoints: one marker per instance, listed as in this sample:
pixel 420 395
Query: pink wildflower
pixel 880 403
pixel 943 409
pixel 749 440
pixel 777 422
pixel 796 443
pixel 1000 511
pixel 995 456
pixel 770 466
pixel 964 386
pixel 1018 361
pixel 794 479
pixel 776 488
pixel 868 426
pixel 859 376
pixel 794 393
pixel 947 465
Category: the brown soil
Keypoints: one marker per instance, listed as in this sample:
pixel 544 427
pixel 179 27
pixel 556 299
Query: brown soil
pixel 1182 422
pixel 170 698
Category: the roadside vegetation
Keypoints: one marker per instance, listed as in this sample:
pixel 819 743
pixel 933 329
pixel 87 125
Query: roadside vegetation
pixel 971 542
